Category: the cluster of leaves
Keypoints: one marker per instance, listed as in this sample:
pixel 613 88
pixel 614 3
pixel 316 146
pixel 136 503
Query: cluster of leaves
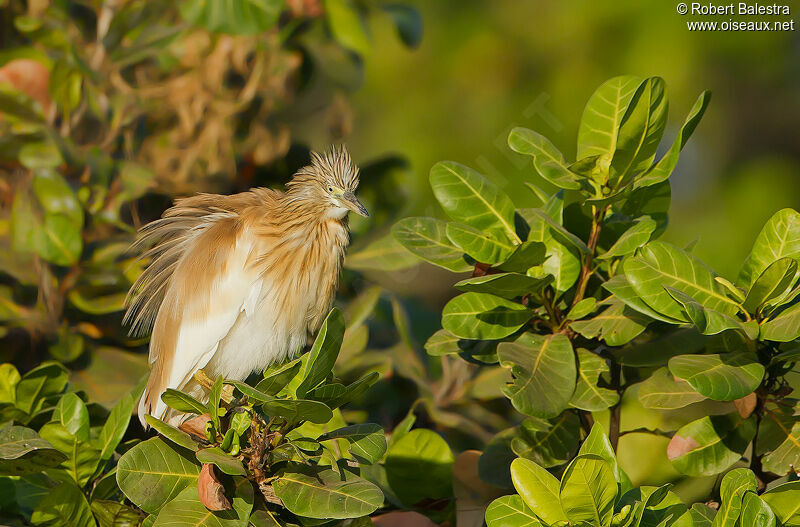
pixel 595 491
pixel 57 451
pixel 105 107
pixel 580 304
pixel 285 437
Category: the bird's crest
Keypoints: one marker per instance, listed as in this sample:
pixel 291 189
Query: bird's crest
pixel 334 166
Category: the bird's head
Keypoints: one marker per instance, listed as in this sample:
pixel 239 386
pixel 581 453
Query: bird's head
pixel 329 181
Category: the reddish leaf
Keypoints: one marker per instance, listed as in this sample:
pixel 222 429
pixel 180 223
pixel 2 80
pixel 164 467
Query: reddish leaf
pixel 680 445
pixel 30 77
pixel 196 426
pixel 746 405
pixel 402 519
pixel 210 490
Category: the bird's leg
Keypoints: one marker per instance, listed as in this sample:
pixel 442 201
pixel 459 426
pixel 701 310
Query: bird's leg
pixel 207 382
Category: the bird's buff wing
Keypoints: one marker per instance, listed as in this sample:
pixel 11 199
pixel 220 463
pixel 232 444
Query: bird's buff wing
pixel 201 282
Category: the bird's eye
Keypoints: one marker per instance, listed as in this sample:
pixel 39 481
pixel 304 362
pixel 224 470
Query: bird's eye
pixel 330 189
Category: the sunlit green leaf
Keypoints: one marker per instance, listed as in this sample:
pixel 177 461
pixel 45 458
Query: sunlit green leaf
pixel 64 506
pixel 544 373
pixel 779 238
pixel 547 159
pixel 722 377
pixel 246 17
pixel 603 115
pixel 510 511
pixel 483 316
pixel 661 391
pixel 588 490
pixel 710 445
pixel 153 472
pixel 325 494
pixel 470 198
pixel 486 247
pixel 588 395
pixel 538 489
pixel 22 451
pixel 664 167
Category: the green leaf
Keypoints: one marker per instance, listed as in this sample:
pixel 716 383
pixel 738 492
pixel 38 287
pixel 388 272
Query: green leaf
pixel 526 255
pixel 562 263
pixel 702 515
pixel 505 285
pixel 723 377
pixel 223 461
pixel 634 237
pixel 419 466
pixel 252 393
pixel 779 238
pixel 544 373
pixel 640 131
pixel 548 444
pixel 323 353
pixel 597 443
pixel 183 402
pixel 112 514
pixel 367 441
pixel 59 241
pixel 660 265
pixel 664 167
pixel 56 196
pixel 296 410
pixel 661 391
pixel 538 489
pixel 408 22
pixel 603 115
pixel 153 472
pixel 22 451
pixel 73 415
pixel 786 457
pixel 621 288
pixel 186 510
pixel 510 511
pixel 325 494
pixel 336 395
pixel 64 506
pixel 82 457
pixel 214 398
pixel 470 198
pixel 9 378
pixel 486 247
pixel 710 445
pixel 774 281
pixel 588 395
pixel 582 308
pixel 278 377
pixel 562 233
pixel 45 380
pixel 588 490
pixel 756 512
pixel 616 325
pixel 347 26
pixel 40 155
pixel 784 500
pixel 709 321
pixel 427 238
pixel 547 159
pixel 245 17
pixel 784 327
pixel 732 490
pixel 483 316
pixel 177 436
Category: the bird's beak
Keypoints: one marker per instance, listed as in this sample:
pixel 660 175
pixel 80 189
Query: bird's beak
pixel 350 201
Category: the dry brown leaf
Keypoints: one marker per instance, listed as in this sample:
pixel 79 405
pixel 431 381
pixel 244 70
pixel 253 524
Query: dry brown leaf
pixel 30 77
pixel 745 405
pixel 196 426
pixel 211 491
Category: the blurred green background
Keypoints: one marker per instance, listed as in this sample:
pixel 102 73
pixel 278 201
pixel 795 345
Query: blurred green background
pixel 486 66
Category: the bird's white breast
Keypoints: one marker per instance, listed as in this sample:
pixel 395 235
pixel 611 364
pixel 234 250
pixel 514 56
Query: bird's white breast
pixel 275 320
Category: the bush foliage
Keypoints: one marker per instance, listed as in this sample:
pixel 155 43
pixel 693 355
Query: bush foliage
pixel 573 326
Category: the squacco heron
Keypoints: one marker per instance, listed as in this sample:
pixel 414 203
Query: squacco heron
pixel 236 283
